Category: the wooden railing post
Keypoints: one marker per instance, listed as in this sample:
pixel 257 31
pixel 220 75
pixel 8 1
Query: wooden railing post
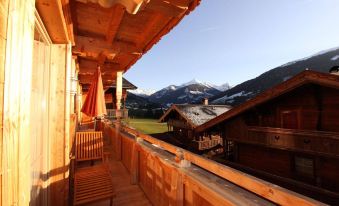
pixel 135 161
pixel 177 185
pixel 179 158
pixel 118 141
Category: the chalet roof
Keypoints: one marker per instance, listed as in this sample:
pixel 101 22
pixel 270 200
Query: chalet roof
pixel 125 84
pixel 305 77
pixel 196 114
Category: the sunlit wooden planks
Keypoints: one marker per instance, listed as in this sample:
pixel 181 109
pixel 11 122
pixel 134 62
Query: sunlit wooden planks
pixel 89 146
pixel 93 184
pixel 117 13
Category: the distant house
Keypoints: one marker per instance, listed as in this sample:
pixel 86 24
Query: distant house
pixel 110 98
pixel 288 135
pixel 182 119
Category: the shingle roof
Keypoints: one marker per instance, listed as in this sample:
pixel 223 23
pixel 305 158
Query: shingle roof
pixel 125 84
pixel 197 114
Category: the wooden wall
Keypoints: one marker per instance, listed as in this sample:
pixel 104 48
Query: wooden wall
pixel 3 30
pixel 269 160
pixel 330 110
pixel 57 140
pixel 263 144
pixel 16 159
pixel 307 101
pixel 35 136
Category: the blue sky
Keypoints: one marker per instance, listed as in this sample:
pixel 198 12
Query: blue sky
pixel 236 40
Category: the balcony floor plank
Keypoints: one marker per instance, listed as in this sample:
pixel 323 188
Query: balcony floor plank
pixel 126 193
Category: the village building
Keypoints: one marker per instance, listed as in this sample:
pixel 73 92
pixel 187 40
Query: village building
pixel 288 135
pixel 110 99
pixel 182 119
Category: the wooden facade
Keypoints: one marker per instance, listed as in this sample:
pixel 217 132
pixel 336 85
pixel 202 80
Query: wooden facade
pixel 290 138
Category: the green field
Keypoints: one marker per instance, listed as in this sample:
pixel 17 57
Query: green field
pixel 147 126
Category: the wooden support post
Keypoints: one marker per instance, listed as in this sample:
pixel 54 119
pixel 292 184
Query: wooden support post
pixel 118 93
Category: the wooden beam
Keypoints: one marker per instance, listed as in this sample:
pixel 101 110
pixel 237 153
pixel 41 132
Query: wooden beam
pixel 86 46
pixel 89 67
pixel 131 7
pixel 52 15
pixel 88 78
pixel 117 13
pixel 150 26
pixel 66 7
pixel 101 59
pixel 168 8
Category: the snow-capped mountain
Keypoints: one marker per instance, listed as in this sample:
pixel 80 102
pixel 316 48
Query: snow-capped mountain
pixel 190 92
pixel 223 87
pixel 321 62
pixel 142 92
pixel 196 81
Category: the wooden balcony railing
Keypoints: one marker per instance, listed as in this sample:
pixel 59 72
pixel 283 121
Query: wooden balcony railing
pixel 207 143
pixel 170 175
pixel 113 113
pixel 326 143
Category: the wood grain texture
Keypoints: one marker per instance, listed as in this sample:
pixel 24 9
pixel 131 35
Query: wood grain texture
pixel 92 184
pixel 16 155
pixel 3 30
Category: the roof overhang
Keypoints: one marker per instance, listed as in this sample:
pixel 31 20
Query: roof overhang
pixel 114 34
pixel 174 108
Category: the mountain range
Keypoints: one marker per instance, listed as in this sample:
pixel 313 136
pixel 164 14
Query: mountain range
pixel 190 92
pixel 321 62
pixel 194 91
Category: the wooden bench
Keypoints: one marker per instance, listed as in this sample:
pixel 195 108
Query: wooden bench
pixel 89 146
pixel 92 184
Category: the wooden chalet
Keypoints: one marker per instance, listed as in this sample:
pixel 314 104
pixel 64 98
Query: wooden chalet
pixel 110 99
pixel 288 135
pixel 49 52
pixel 182 119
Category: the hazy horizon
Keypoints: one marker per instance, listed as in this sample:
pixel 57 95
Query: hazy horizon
pixel 229 41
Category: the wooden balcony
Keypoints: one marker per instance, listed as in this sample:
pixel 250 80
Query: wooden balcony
pixel 114 114
pixel 147 171
pixel 326 143
pixel 207 143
